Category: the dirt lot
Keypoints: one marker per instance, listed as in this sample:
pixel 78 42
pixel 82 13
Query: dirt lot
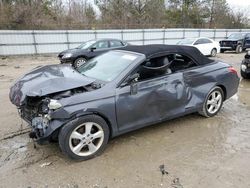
pixel 201 152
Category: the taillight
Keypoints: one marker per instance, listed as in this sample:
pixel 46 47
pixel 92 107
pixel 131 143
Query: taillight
pixel 232 70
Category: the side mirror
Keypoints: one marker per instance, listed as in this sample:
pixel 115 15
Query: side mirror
pixel 92 49
pixel 133 78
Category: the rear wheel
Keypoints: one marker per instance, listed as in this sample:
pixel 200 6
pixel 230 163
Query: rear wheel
pixel 239 49
pixel 79 62
pixel 213 102
pixel 84 138
pixel 213 52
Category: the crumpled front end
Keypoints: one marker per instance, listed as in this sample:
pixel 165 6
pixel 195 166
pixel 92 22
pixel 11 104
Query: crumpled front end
pixel 38 93
pixel 37 113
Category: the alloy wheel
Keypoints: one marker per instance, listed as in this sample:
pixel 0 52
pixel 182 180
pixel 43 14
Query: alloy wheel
pixel 214 102
pixel 86 139
pixel 79 62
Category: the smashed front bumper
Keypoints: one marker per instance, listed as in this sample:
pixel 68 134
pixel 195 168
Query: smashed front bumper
pixel 43 127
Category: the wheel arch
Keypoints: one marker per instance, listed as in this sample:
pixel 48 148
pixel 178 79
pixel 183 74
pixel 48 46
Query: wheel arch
pixel 81 56
pixel 224 91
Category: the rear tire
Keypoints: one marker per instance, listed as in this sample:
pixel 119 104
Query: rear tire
pixel 213 102
pixel 239 49
pixel 84 138
pixel 213 52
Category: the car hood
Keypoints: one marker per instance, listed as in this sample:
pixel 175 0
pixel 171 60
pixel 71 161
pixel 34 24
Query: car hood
pixel 46 80
pixel 231 40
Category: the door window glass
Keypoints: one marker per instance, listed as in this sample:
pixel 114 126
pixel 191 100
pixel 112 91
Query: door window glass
pixel 115 43
pixel 101 44
pixel 163 65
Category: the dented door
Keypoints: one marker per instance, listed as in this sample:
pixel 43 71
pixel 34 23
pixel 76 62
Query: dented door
pixel 154 100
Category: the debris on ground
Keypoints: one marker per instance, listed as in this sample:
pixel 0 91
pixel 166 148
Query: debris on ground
pixel 162 169
pixel 3 65
pixel 17 67
pixel 176 183
pixel 46 164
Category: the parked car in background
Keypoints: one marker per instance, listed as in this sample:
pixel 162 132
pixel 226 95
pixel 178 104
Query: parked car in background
pixel 120 91
pixel 245 66
pixel 237 42
pixel 87 50
pixel 207 47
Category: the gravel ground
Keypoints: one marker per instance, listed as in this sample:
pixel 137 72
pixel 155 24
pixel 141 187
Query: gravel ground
pixel 195 151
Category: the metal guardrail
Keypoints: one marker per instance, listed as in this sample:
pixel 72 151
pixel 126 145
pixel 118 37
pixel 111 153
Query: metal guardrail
pixel 48 41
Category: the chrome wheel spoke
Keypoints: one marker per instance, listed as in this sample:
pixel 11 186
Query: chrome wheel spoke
pixel 213 95
pixel 76 135
pixel 218 98
pixel 88 127
pixel 209 102
pixel 211 108
pixel 92 147
pixel 78 147
pixel 98 134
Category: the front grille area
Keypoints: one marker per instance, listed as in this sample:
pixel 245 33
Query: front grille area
pixel 226 43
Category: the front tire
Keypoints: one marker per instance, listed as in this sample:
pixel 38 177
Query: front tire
pixel 213 102
pixel 79 62
pixel 84 138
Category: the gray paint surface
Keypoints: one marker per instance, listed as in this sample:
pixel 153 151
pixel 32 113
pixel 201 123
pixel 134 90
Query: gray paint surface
pixel 155 100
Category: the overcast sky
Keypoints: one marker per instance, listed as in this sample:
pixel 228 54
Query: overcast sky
pixel 238 3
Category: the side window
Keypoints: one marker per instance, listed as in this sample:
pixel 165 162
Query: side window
pixel 115 43
pixel 101 44
pixel 248 36
pixel 181 62
pixel 160 66
pixel 199 41
pixel 206 41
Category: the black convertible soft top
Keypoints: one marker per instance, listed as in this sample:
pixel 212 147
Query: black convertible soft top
pixel 155 50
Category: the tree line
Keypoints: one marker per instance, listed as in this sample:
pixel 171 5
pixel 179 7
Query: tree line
pixel 119 14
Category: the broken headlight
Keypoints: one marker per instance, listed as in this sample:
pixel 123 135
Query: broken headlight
pixel 54 104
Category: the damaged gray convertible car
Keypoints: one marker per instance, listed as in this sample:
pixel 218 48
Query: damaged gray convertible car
pixel 117 92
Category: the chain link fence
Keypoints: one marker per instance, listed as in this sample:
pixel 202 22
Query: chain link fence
pixel 20 42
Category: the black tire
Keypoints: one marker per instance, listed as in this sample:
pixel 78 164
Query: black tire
pixel 222 51
pixel 238 49
pixel 79 62
pixel 244 75
pixel 65 140
pixel 204 112
pixel 213 52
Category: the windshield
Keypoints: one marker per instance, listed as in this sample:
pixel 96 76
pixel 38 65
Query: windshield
pixel 86 45
pixel 236 36
pixel 186 41
pixel 108 66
